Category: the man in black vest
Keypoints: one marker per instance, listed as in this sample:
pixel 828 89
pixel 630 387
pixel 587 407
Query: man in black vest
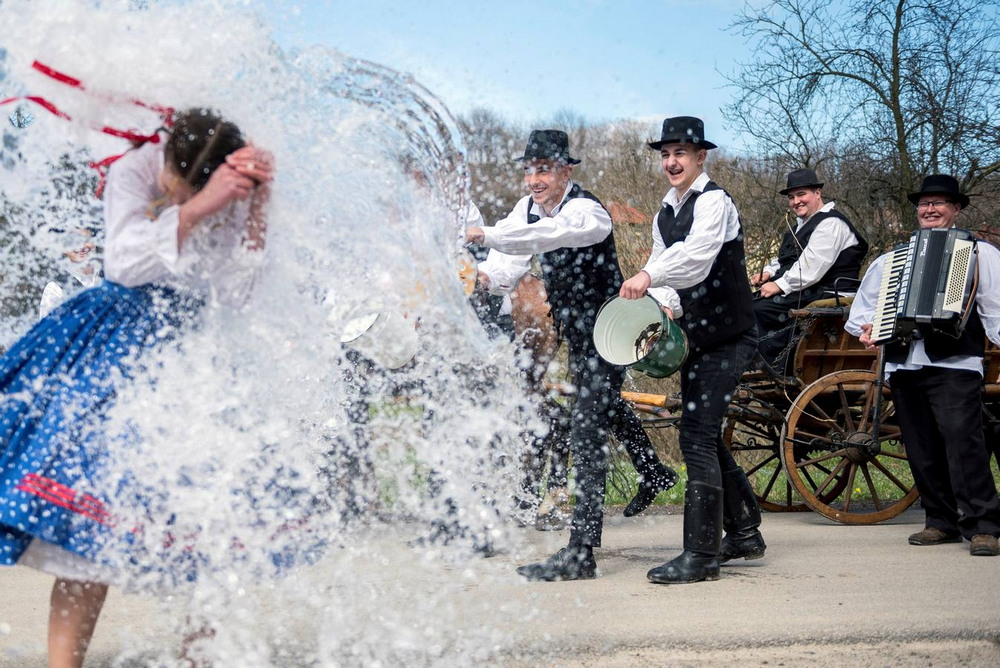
pixel 824 248
pixel 698 252
pixel 570 232
pixel 936 383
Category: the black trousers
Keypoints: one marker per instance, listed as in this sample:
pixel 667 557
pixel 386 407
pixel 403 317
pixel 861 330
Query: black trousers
pixel 708 379
pixel 597 412
pixel 550 450
pixel 940 415
pixel 775 327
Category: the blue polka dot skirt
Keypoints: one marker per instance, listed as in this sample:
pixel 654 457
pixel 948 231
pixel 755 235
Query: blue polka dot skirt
pixel 56 386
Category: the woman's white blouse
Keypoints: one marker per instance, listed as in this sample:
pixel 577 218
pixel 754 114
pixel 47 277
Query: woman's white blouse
pixel 140 245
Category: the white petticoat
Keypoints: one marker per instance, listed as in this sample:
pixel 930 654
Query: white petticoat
pixel 60 562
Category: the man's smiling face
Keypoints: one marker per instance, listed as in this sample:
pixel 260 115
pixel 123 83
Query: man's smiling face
pixel 547 181
pixel 805 201
pixel 936 212
pixel 682 163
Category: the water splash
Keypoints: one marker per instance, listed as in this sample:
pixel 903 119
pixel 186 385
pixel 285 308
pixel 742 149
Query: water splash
pixel 251 446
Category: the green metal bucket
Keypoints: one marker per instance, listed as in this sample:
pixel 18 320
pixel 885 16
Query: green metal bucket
pixel 636 333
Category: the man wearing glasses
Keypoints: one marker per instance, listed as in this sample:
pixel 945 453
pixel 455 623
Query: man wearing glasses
pixel 936 383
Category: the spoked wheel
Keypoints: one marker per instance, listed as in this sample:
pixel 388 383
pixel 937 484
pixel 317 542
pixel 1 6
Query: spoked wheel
pixel 752 432
pixel 835 459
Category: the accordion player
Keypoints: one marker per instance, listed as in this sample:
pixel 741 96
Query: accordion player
pixel 928 285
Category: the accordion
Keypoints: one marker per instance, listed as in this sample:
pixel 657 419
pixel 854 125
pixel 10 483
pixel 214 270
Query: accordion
pixel 927 285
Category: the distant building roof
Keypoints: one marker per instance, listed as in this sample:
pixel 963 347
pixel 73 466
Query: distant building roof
pixel 623 213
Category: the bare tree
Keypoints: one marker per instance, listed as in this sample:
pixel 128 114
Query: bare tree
pixel 621 168
pixel 895 89
pixel 753 183
pixel 491 144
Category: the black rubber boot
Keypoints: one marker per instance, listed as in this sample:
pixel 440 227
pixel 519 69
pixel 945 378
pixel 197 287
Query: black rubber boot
pixel 664 478
pixel 741 519
pixel 575 562
pixel 702 538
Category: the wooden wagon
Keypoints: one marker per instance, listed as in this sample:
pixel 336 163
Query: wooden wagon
pixel 817 438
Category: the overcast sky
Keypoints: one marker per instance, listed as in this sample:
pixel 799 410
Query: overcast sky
pixel 602 59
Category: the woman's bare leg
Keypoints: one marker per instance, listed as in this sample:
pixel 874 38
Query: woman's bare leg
pixel 73 612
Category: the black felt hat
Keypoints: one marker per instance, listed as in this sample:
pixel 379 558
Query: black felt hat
pixel 801 178
pixel 682 130
pixel 548 145
pixel 940 184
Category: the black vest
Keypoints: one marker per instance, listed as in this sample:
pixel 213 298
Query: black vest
pixel 847 264
pixel 579 280
pixel 720 307
pixel 938 346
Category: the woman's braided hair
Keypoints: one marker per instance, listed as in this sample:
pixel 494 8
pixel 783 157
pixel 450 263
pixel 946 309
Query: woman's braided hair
pixel 199 144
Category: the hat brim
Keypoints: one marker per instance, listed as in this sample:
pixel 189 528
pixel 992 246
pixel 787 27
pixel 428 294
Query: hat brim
pixel 961 199
pixel 567 160
pixel 803 185
pixel 707 145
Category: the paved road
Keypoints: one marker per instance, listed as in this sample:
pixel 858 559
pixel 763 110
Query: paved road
pixel 825 594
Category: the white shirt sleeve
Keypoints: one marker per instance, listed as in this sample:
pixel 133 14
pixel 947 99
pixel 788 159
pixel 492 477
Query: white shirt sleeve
pixel 667 296
pixel 138 250
pixel 473 217
pixel 865 301
pixel 580 222
pixel 689 261
pixel 504 271
pixel 988 295
pixel 825 245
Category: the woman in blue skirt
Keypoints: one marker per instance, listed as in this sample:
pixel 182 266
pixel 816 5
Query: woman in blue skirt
pixel 184 224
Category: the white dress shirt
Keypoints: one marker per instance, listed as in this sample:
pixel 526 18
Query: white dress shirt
pixel 825 245
pixel 689 261
pixel 987 304
pixel 577 223
pixel 139 250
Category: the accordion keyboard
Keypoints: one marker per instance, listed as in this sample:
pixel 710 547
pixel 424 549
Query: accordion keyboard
pixel 892 293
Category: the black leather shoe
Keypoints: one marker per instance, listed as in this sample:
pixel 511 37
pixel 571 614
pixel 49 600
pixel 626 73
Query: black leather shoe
pixel 742 547
pixel 686 568
pixel 569 563
pixel 649 490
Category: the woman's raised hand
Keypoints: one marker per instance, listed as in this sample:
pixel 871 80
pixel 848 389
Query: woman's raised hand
pixel 247 171
pixel 253 162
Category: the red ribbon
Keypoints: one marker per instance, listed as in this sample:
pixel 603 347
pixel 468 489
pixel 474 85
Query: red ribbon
pixel 58 76
pixel 165 112
pixel 137 138
pixel 40 101
pixel 102 171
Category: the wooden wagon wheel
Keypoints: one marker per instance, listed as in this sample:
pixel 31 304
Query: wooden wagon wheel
pixel 752 432
pixel 836 463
